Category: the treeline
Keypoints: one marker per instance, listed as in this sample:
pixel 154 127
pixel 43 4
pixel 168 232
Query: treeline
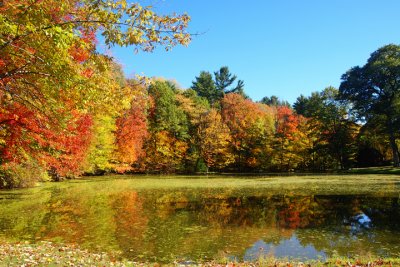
pixel 161 128
pixel 66 110
pixel 211 128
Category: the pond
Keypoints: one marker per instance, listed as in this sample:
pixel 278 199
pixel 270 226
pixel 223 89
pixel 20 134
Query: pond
pixel 177 218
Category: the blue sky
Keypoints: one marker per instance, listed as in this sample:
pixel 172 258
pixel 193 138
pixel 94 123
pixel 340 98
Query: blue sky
pixel 278 47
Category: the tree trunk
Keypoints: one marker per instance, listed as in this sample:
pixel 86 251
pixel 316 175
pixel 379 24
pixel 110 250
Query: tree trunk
pixel 393 145
pixel 55 177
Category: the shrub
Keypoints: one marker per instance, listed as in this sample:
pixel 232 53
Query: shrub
pixel 27 174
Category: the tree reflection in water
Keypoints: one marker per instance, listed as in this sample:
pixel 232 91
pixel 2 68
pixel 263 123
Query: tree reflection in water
pixel 168 225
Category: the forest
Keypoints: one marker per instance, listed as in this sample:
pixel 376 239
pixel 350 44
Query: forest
pixel 68 110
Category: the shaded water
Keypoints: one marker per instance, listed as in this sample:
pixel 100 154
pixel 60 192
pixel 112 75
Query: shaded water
pixel 168 219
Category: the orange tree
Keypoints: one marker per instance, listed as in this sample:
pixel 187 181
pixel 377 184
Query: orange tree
pixel 251 129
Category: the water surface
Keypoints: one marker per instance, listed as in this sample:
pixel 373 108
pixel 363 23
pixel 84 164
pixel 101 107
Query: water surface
pixel 166 219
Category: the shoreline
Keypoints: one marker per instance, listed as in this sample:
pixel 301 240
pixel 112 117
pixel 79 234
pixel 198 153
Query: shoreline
pixel 50 254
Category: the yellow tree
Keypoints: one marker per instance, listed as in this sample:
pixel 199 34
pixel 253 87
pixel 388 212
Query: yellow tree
pixel 164 152
pixel 194 107
pixel 214 141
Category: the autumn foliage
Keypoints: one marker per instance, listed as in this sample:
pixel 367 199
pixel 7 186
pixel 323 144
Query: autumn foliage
pixel 67 110
pixel 55 86
pixel 158 128
pixel 27 135
pixel 131 133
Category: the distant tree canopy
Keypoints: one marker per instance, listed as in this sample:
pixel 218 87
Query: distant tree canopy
pixel 274 101
pixel 214 89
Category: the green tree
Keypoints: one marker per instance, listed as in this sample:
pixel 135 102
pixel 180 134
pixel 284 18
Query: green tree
pixel 195 108
pixel 166 114
pixel 205 87
pixel 167 145
pixel 214 90
pixel 274 101
pixel 332 130
pixel 224 79
pixel 373 145
pixel 374 90
pixel 300 106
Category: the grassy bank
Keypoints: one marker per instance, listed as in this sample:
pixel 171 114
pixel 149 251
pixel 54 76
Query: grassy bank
pixel 375 170
pixel 49 254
